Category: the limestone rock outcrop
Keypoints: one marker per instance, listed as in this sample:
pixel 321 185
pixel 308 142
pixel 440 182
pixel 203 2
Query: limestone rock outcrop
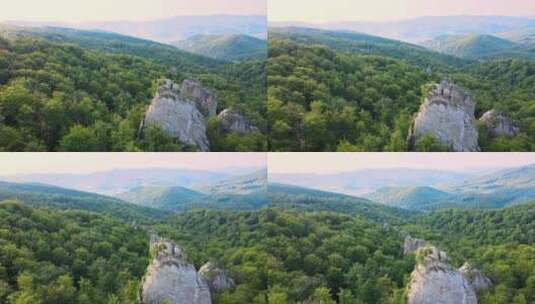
pixel 233 121
pixel 171 279
pixel 178 116
pixel 435 281
pixel 499 124
pixel 205 100
pixel 217 278
pixel 447 114
pixel 410 244
pixel 475 277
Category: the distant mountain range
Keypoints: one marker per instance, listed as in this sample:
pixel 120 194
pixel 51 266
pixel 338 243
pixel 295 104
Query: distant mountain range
pixel 246 191
pixel 390 192
pixel 422 29
pixel 368 180
pixel 173 29
pixel 475 46
pixel 494 190
pixel 41 195
pixel 123 180
pixel 231 47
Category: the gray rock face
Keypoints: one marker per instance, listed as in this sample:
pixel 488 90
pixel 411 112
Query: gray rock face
pixel 447 114
pixel 233 121
pixel 206 101
pixel 171 279
pixel 178 116
pixel 410 244
pixel 475 277
pixel 499 124
pixel 217 278
pixel 435 281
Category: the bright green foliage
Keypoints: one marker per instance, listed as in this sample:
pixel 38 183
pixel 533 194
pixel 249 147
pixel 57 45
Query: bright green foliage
pixel 91 94
pixel 49 256
pixel 334 91
pixel 499 242
pixel 278 256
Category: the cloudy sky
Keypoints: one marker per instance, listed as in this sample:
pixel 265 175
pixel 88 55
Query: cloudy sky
pixel 107 10
pixel 320 163
pixel 386 10
pixel 77 163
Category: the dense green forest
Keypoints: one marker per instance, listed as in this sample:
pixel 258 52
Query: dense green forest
pixel 52 256
pixel 330 91
pixel 66 90
pixel 276 255
pixel 282 256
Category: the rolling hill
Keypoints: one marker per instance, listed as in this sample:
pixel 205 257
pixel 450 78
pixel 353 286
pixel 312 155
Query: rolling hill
pixel 41 195
pixel 225 47
pixel 240 192
pixel 413 198
pixel 164 198
pixel 360 43
pixel 477 47
pixel 306 199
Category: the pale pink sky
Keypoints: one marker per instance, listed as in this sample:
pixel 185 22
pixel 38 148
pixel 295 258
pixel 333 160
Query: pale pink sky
pixel 342 162
pixel 106 10
pixel 24 163
pixel 383 10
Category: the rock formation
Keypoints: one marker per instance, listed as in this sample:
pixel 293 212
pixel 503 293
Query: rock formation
pixel 178 116
pixel 217 278
pixel 435 281
pixel 205 100
pixel 475 277
pixel 233 121
pixel 448 115
pixel 410 244
pixel 171 279
pixel 499 124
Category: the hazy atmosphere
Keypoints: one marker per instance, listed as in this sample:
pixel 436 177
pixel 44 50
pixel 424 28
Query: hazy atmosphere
pixel 104 10
pixel 343 162
pixel 387 10
pixel 79 163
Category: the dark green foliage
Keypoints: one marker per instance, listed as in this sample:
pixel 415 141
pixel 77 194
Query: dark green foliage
pixel 48 256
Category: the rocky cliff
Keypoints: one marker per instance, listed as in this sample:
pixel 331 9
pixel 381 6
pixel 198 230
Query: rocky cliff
pixel 475 277
pixel 447 114
pixel 170 278
pixel 410 244
pixel 499 124
pixel 435 281
pixel 233 121
pixel 205 100
pixel 178 116
pixel 217 278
